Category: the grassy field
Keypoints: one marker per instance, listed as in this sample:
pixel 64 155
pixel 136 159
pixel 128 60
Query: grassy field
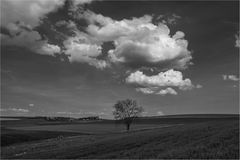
pixel 216 138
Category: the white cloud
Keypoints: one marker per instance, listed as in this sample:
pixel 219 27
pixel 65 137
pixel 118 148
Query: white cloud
pixel 113 29
pixel 20 16
pixel 198 86
pixel 233 77
pixel 15 110
pixel 29 39
pixel 155 84
pixel 28 11
pixel 225 77
pixel 24 38
pixel 139 41
pixel 77 2
pixel 19 110
pixel 48 49
pixel 169 78
pixel 145 90
pixel 76 48
pixel 69 113
pixel 157 90
pixel 3 110
pixel 237 43
pixel 230 77
pixel 82 50
pixel 167 91
pixel 31 11
pixel 154 49
pixel 31 105
pixel 160 113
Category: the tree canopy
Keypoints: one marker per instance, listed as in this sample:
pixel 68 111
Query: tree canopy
pixel 127 110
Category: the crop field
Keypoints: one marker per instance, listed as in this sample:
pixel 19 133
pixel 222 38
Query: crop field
pixel 216 138
pixel 91 128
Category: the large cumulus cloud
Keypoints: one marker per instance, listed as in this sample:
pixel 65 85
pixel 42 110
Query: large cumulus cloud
pixel 139 42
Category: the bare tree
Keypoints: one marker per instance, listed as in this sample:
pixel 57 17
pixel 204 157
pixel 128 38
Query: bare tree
pixel 127 110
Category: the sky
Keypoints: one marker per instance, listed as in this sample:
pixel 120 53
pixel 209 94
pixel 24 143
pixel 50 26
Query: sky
pixel 77 58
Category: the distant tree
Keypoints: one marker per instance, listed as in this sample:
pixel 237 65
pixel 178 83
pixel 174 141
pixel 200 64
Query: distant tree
pixel 127 110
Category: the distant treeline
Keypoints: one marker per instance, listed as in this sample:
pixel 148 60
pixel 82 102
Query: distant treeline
pixel 71 119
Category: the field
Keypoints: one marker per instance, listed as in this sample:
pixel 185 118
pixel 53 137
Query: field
pixel 205 136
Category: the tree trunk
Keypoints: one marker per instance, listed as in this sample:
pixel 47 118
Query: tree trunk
pixel 128 126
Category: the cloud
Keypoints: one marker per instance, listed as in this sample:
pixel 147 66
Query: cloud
pixel 155 84
pixel 153 50
pixel 225 77
pixel 20 17
pixel 77 2
pixel 230 77
pixel 20 25
pixel 110 30
pixel 81 50
pixel 157 90
pixel 170 19
pixel 31 105
pixel 28 11
pixel 160 113
pixel 167 91
pixel 199 86
pixel 31 11
pixel 82 113
pixel 237 43
pixel 139 42
pixel 19 110
pixel 15 110
pixel 69 113
pixel 48 49
pixel 170 78
pixel 3 110
pixel 29 39
pixel 145 90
